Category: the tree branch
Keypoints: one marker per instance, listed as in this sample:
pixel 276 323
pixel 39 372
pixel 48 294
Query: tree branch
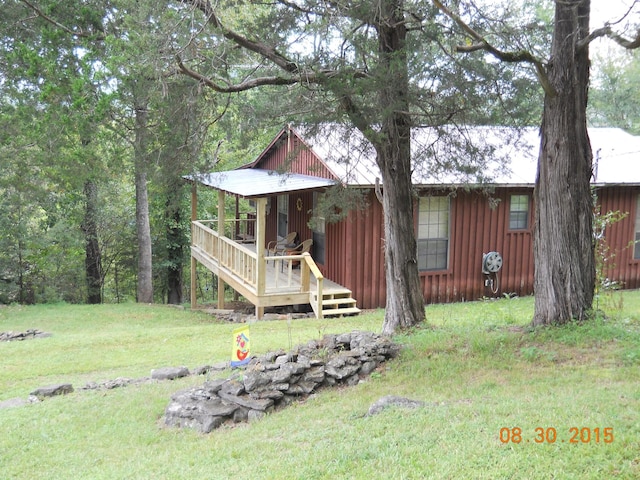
pixel 265 51
pixel 62 27
pixel 606 31
pixel 240 87
pixel 520 56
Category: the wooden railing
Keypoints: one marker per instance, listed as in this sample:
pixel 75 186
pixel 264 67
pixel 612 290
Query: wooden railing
pixel 232 256
pixel 242 262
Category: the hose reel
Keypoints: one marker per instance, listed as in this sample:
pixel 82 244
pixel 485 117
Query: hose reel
pixel 491 265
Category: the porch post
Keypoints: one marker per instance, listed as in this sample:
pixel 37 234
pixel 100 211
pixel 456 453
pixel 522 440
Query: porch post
pixel 219 253
pixel 194 214
pixel 261 266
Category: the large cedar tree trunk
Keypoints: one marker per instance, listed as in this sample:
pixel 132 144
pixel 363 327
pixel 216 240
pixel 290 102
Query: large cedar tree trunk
pixel 405 301
pixel 563 238
pixel 143 228
pixel 93 260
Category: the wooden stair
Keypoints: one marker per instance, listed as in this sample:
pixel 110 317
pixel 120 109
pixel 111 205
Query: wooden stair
pixel 337 302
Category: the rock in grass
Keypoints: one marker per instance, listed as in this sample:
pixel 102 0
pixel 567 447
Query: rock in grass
pixel 393 401
pixel 169 373
pixel 53 390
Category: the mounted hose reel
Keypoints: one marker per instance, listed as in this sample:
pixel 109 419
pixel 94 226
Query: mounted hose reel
pixel 491 265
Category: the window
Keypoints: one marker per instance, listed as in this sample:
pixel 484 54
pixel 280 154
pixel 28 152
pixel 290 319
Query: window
pixel 519 212
pixel 433 233
pixel 636 247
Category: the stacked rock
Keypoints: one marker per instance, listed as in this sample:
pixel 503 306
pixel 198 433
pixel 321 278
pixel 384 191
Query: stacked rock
pixel 274 380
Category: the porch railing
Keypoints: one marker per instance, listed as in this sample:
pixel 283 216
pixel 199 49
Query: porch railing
pixel 234 257
pixel 242 262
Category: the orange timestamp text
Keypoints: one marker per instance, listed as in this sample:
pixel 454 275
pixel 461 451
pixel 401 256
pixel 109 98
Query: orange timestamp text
pixel 578 435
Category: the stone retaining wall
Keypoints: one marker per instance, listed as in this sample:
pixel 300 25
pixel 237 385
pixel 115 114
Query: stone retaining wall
pixel 272 381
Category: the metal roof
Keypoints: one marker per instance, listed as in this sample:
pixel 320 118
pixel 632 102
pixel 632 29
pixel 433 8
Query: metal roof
pixel 478 155
pixel 256 183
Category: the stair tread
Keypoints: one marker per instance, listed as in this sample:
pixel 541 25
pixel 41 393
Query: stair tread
pixel 341 311
pixel 338 301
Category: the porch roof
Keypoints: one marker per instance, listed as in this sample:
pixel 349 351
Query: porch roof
pixel 256 183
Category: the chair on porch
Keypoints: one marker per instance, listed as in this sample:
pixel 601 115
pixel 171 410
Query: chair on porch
pixel 304 247
pixel 278 247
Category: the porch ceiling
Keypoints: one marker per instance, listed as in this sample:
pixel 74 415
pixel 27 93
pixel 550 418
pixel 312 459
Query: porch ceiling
pixel 256 183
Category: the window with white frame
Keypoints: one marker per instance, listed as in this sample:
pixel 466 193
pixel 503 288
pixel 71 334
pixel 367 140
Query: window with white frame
pixel 519 212
pixel 433 233
pixel 636 247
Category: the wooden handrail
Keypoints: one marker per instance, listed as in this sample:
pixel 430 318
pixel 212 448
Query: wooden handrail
pixel 242 262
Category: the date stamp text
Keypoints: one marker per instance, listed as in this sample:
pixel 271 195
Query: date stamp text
pixel 577 435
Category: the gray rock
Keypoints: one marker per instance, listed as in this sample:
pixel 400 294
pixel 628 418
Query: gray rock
pixel 281 359
pixel 301 388
pixel 368 367
pixel 216 407
pixel 208 424
pixel 255 379
pixel 255 415
pixel 314 375
pixel 232 387
pixel 340 368
pixel 253 403
pixel 53 390
pixel 214 386
pixel 393 401
pixel 169 373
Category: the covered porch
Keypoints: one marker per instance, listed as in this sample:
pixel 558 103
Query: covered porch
pixel 235 249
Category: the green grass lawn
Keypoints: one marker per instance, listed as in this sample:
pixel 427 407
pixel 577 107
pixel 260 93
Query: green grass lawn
pixel 484 373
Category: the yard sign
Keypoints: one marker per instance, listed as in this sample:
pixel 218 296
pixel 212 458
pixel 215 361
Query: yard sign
pixel 240 346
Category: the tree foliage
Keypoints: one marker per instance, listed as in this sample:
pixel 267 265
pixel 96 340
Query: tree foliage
pixel 563 235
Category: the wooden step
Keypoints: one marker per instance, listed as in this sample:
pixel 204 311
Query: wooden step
pixel 340 311
pixel 339 301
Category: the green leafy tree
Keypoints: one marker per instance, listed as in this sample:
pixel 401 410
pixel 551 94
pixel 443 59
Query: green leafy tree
pixel 381 67
pixel 563 235
pixel 614 100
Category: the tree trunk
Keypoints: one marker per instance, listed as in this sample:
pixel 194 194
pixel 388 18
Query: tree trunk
pixel 143 228
pixel 176 243
pixel 405 301
pixel 563 238
pixel 93 260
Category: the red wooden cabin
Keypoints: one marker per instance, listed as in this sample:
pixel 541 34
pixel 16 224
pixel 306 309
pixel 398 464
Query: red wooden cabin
pixel 458 219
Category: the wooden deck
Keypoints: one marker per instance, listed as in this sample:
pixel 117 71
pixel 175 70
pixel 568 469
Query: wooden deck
pixel 268 281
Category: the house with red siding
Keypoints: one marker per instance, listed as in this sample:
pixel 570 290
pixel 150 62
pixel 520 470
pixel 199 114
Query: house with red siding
pixel 473 215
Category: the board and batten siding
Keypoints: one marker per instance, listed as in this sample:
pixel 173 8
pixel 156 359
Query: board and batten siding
pixel 478 224
pixel 623 268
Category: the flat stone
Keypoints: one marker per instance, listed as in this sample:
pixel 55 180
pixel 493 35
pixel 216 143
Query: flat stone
pixel 314 375
pixel 255 415
pixel 53 390
pixel 215 385
pixel 302 388
pixel 393 401
pixel 217 408
pixel 255 379
pixel 281 359
pixel 208 424
pixel 169 373
pixel 232 387
pixel 368 367
pixel 253 403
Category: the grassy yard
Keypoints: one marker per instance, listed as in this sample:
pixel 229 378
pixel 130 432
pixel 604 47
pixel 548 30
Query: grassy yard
pixel 489 379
